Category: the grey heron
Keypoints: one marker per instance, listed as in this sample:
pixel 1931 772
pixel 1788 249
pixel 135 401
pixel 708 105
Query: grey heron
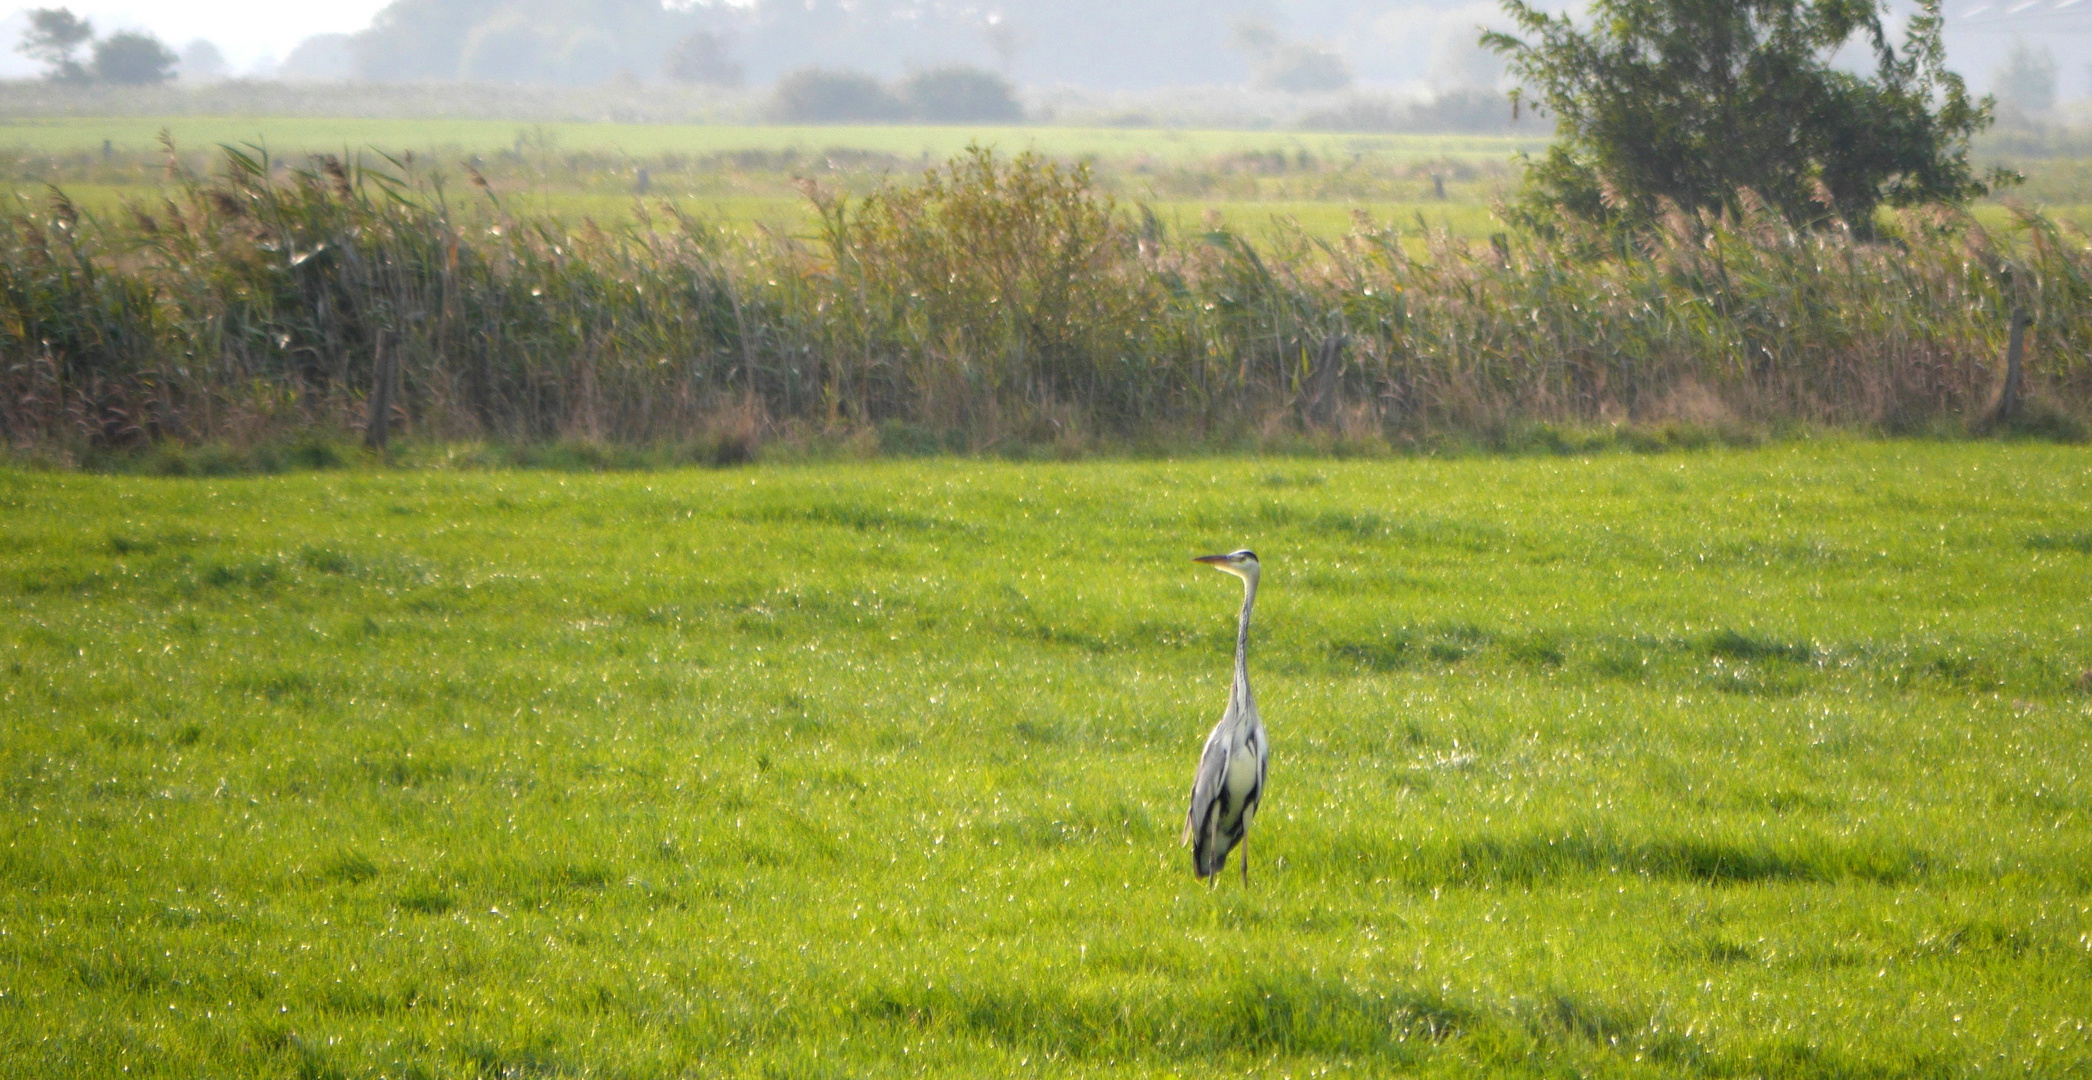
pixel 1230 779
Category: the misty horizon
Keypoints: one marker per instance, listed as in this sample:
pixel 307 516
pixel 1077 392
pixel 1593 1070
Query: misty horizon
pixel 1415 47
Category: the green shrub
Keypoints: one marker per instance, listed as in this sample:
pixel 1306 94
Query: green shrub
pixel 817 96
pixel 957 94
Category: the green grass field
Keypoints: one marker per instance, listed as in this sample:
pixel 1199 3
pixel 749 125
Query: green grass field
pixel 793 215
pixel 1137 165
pixel 1726 763
pixel 605 195
pixel 295 135
pixel 796 216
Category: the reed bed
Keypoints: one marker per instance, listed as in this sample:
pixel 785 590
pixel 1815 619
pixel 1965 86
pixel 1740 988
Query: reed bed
pixel 996 303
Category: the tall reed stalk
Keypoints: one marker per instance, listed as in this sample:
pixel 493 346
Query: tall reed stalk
pixel 992 302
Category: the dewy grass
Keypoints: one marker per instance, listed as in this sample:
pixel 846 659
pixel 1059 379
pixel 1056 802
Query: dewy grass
pixel 1718 763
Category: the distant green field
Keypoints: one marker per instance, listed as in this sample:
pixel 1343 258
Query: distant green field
pixel 316 135
pixel 791 214
pixel 1250 218
pixel 1722 764
pixel 575 195
pixel 1470 219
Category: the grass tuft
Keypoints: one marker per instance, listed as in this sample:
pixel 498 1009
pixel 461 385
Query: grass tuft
pixel 1737 646
pixel 349 868
pixel 426 900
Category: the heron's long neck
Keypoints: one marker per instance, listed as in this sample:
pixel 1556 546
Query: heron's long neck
pixel 1240 691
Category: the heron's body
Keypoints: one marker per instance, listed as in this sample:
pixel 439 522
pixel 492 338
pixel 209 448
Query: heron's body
pixel 1229 783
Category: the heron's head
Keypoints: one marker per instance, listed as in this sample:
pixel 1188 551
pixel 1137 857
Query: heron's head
pixel 1242 564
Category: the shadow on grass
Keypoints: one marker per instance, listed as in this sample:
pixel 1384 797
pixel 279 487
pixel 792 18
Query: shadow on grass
pixel 1728 661
pixel 1295 1014
pixel 857 516
pixel 1284 1013
pixel 1536 858
pixel 1736 646
pixel 2081 543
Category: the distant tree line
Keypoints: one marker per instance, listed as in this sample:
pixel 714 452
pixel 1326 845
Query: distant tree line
pixel 1311 47
pixel 589 41
pixel 1291 66
pixel 2025 84
pixel 56 37
pixel 1095 43
pixel 954 94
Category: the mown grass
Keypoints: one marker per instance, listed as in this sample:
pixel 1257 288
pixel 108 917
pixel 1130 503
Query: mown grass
pixel 1726 763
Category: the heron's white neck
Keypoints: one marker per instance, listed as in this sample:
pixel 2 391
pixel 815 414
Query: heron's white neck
pixel 1240 691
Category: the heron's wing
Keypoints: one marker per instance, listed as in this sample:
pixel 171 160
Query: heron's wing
pixel 1207 782
pixel 1256 726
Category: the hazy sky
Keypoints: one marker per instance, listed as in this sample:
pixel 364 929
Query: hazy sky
pixel 254 33
pixel 248 31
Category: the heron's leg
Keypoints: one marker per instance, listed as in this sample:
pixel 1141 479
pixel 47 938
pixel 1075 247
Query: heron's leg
pixel 1245 858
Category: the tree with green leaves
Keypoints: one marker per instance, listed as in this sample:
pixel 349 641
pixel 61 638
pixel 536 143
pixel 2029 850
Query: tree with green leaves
pixel 2026 82
pixel 703 57
pixel 957 94
pixel 53 36
pixel 818 96
pixel 129 58
pixel 1693 103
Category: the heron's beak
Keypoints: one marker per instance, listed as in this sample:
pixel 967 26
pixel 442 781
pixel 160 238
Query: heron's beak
pixel 1211 560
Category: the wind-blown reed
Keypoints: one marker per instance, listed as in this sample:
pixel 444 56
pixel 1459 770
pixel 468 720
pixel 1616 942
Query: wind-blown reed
pixel 996 302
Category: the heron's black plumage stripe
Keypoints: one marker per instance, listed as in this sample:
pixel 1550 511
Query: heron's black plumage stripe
pixel 1223 830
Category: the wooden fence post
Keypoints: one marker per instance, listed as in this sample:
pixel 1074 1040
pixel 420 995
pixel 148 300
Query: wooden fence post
pixel 2015 351
pixel 380 396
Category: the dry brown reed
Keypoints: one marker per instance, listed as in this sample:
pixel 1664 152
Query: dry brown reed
pixel 993 303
